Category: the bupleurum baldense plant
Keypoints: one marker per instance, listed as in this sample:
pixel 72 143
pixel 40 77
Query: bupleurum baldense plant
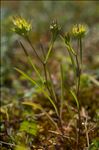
pixel 46 86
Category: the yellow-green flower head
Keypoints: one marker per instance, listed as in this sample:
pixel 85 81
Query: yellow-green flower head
pixel 79 30
pixel 21 26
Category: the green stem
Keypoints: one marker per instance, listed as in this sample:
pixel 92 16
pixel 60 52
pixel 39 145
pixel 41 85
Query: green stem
pixel 52 86
pixel 78 90
pixel 31 63
pixel 80 44
pixel 46 79
pixel 43 52
pixel 27 38
pixel 49 52
pixel 72 61
pixel 62 91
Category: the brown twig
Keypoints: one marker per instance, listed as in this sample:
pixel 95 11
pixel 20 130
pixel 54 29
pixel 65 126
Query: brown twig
pixel 86 130
pixel 9 144
pixel 64 136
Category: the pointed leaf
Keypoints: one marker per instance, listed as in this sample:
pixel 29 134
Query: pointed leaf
pixel 75 98
pixel 32 81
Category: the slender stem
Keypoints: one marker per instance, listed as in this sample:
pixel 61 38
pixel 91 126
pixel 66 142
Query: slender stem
pixel 78 76
pixel 79 69
pixel 46 79
pixel 61 126
pixel 86 129
pixel 49 51
pixel 31 63
pixel 27 38
pixel 60 121
pixel 78 88
pixel 45 72
pixel 43 52
pixel 52 121
pixel 52 86
pixel 79 117
pixel 80 44
pixel 62 91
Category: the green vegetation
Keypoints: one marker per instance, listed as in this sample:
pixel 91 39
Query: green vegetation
pixel 50 77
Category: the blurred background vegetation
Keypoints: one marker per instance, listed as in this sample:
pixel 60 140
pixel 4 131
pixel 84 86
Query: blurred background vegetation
pixel 41 13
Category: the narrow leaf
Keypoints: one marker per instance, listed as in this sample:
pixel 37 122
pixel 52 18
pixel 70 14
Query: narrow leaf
pixel 33 82
pixel 31 63
pixel 37 106
pixel 73 62
pixel 36 70
pixel 34 105
pixel 72 50
pixel 96 82
pixel 68 46
pixel 75 98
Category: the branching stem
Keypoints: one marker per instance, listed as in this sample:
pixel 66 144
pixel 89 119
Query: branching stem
pixel 27 38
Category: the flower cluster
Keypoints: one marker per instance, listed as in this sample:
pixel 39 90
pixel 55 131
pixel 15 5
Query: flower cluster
pixel 79 30
pixel 21 26
pixel 55 29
